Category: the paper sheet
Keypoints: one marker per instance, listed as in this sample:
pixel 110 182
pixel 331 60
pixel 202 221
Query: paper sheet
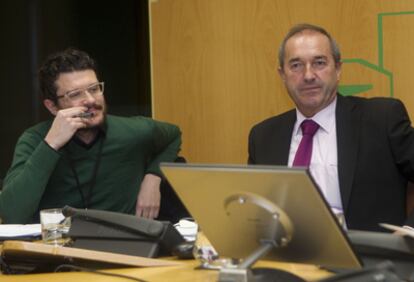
pixel 19 230
pixel 404 230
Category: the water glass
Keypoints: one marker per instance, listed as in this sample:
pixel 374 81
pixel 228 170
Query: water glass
pixel 54 226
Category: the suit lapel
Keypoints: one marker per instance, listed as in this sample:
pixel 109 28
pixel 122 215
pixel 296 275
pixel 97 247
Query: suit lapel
pixel 348 124
pixel 282 145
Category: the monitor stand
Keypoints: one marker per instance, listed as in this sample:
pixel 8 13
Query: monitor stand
pixel 244 273
pixel 278 233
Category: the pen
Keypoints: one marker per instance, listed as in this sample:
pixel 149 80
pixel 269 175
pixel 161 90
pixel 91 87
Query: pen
pixel 84 115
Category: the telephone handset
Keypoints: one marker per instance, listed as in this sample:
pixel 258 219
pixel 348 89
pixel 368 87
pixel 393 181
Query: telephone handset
pixel 121 233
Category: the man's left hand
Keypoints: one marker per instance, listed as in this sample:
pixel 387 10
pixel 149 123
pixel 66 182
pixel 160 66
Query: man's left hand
pixel 149 197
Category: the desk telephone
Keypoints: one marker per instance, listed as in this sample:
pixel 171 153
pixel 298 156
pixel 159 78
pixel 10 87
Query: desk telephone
pixel 121 233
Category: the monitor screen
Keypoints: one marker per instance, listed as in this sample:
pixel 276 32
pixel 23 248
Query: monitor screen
pixel 234 207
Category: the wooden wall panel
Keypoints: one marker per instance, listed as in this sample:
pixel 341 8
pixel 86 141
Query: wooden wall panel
pixel 214 63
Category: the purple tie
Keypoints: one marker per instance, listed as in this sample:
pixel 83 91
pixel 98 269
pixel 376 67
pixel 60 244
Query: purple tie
pixel 304 153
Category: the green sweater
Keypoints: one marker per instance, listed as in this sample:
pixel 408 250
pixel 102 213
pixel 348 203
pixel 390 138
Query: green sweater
pixel 41 177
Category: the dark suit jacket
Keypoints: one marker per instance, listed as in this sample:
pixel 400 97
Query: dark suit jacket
pixel 375 157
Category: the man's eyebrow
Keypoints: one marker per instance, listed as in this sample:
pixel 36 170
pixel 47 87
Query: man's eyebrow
pixel 73 90
pixel 320 57
pixel 294 60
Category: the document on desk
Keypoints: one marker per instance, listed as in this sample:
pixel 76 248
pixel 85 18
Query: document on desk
pixel 400 230
pixel 16 231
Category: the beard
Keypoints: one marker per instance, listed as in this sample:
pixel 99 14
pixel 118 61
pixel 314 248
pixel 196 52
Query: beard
pixel 98 118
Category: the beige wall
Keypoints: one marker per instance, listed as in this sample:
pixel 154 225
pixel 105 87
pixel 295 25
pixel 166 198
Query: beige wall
pixel 214 62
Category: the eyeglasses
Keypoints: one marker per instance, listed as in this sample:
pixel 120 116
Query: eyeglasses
pixel 95 89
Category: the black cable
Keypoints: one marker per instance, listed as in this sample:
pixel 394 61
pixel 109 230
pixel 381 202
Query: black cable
pixel 4 267
pixel 78 268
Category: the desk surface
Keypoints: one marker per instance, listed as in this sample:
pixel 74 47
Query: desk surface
pixel 184 272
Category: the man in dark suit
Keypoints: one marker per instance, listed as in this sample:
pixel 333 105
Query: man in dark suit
pixel 363 150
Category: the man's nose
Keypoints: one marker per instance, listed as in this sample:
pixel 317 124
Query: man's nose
pixel 88 97
pixel 309 74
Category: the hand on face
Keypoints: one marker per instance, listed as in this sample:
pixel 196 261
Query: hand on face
pixel 65 125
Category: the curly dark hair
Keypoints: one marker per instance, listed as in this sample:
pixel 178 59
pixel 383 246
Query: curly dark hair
pixel 65 61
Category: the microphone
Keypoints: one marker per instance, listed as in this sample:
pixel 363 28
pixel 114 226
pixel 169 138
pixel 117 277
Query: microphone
pixel 69 211
pixel 135 224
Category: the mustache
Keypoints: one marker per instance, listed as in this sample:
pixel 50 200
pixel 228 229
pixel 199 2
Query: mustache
pixel 306 86
pixel 94 106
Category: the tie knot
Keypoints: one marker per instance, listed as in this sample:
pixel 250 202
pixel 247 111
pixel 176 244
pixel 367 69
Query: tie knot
pixel 309 127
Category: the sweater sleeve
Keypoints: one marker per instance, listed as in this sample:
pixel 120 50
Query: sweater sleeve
pixel 26 180
pixel 166 145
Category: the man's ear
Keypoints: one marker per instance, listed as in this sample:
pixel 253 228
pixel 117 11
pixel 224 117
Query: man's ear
pixel 338 67
pixel 281 73
pixel 51 106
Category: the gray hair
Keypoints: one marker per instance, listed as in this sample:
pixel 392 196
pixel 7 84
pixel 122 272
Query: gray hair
pixel 336 53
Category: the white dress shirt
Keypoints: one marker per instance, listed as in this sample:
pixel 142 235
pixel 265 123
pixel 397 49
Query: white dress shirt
pixel 324 162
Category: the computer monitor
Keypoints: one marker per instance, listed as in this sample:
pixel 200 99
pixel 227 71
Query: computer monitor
pixel 232 205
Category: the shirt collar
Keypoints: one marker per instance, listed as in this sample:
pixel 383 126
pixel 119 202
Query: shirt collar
pixel 101 134
pixel 325 118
